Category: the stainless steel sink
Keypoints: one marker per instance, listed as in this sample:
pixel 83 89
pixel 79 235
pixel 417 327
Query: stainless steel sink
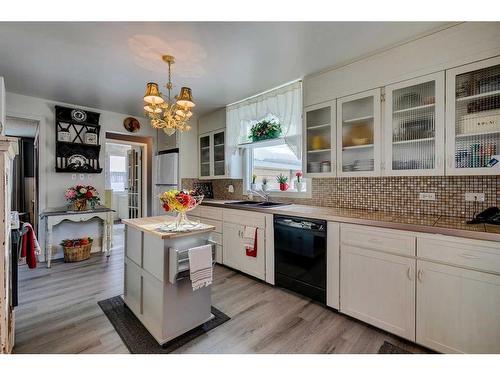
pixel 256 204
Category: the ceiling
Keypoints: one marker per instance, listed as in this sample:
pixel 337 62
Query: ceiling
pixel 106 65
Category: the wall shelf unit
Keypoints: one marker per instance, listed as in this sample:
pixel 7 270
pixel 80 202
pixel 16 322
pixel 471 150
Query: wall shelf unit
pixel 77 141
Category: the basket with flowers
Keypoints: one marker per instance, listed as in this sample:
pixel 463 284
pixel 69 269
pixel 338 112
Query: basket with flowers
pixel 76 250
pixel 80 196
pixel 180 201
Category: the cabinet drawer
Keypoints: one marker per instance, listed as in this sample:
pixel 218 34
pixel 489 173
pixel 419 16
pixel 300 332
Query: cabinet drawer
pixel 480 255
pixel 215 223
pixel 393 241
pixel 195 211
pixel 210 212
pixel 248 218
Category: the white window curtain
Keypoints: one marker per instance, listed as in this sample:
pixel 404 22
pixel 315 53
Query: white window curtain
pixel 283 103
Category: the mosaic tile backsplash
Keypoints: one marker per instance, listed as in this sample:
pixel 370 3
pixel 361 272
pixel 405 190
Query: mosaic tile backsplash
pixel 391 194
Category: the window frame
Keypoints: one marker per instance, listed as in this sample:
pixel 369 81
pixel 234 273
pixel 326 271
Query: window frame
pixel 248 169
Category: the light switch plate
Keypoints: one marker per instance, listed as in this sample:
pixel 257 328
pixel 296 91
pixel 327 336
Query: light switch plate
pixel 427 196
pixel 474 197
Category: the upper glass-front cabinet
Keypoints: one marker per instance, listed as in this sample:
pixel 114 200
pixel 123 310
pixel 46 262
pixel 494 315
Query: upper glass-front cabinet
pixel 414 127
pixel 473 117
pixel 358 134
pixel 319 140
pixel 212 155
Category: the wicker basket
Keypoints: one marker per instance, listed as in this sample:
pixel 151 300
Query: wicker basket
pixel 77 253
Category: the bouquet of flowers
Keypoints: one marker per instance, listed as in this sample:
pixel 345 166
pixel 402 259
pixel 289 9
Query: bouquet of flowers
pixel 80 195
pixel 180 201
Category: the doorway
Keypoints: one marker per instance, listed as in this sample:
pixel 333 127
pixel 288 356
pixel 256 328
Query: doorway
pixel 25 177
pixel 126 185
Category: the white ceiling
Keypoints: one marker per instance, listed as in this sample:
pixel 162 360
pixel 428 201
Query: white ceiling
pixel 106 65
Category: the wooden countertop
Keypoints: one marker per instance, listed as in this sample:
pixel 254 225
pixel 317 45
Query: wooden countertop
pixel 451 226
pixel 151 225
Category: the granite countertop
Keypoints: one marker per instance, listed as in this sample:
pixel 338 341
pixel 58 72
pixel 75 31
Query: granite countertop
pixel 64 210
pixel 453 226
pixel 152 224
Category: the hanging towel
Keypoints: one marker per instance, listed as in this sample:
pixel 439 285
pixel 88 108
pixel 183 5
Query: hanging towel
pixel 250 240
pixel 30 247
pixel 200 266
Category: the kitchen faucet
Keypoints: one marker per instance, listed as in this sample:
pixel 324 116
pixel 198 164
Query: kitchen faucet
pixel 260 194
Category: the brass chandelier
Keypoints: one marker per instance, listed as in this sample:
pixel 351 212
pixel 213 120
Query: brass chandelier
pixel 171 116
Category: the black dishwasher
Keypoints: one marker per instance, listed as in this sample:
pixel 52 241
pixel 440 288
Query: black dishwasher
pixel 300 255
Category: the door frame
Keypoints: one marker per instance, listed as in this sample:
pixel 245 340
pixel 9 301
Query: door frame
pixel 146 143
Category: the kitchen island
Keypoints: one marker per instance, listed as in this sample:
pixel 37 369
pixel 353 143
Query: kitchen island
pixel 157 287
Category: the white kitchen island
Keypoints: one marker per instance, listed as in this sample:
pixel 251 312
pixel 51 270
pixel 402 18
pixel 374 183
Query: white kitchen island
pixel 157 287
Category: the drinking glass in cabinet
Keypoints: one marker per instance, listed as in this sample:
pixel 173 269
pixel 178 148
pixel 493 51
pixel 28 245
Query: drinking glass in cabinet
pixel 477 117
pixel 414 127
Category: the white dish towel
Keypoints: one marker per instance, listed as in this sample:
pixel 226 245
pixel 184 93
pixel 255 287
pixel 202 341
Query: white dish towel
pixel 200 266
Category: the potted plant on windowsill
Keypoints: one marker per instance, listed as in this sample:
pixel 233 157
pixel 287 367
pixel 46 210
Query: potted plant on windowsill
pixel 265 129
pixel 298 184
pixel 265 187
pixel 283 181
pixel 253 185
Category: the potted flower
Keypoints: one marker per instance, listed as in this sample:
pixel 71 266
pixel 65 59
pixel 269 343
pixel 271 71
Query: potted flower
pixel 76 250
pixel 80 195
pixel 283 181
pixel 253 186
pixel 264 184
pixel 298 184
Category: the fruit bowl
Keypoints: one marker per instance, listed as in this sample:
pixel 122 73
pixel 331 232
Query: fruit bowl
pixel 180 201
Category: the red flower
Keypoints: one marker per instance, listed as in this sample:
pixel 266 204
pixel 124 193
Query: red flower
pixel 166 207
pixel 88 194
pixel 183 199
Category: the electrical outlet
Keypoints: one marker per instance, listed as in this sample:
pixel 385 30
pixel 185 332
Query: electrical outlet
pixel 474 197
pixel 427 196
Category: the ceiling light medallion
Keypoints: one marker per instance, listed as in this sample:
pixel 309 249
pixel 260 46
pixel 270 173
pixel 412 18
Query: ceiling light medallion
pixel 171 116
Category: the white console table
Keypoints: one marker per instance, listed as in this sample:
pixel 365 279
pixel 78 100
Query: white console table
pixel 55 216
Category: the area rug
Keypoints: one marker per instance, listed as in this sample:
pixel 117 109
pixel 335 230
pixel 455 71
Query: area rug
pixel 388 348
pixel 137 338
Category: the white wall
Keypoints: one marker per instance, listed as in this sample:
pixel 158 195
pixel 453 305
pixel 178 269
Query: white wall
pixel 2 105
pixel 457 45
pixel 52 184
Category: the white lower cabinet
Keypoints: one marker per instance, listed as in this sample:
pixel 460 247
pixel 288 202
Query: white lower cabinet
pixel 234 252
pixel 458 310
pixel 378 288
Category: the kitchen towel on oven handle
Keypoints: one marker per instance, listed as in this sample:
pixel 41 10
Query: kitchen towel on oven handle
pixel 250 234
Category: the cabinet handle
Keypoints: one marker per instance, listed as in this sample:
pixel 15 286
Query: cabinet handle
pixel 408 273
pixel 419 275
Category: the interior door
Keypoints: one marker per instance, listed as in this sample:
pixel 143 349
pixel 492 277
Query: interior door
pixel 134 178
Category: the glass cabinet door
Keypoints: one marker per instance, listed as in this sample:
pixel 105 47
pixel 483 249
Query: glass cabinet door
pixel 319 144
pixel 358 134
pixel 414 127
pixel 205 156
pixel 473 118
pixel 219 154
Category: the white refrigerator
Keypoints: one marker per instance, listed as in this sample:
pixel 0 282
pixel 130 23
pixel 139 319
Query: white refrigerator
pixel 165 177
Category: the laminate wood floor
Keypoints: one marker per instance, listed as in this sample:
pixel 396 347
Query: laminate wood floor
pixel 58 313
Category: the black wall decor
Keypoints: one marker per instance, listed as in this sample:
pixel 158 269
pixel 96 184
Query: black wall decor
pixel 72 153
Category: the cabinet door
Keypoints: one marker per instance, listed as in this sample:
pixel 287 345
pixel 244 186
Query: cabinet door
pixel 205 155
pixel 473 118
pixel 319 140
pixel 414 127
pixel 458 310
pixel 219 154
pixel 231 244
pixel 358 134
pixel 379 289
